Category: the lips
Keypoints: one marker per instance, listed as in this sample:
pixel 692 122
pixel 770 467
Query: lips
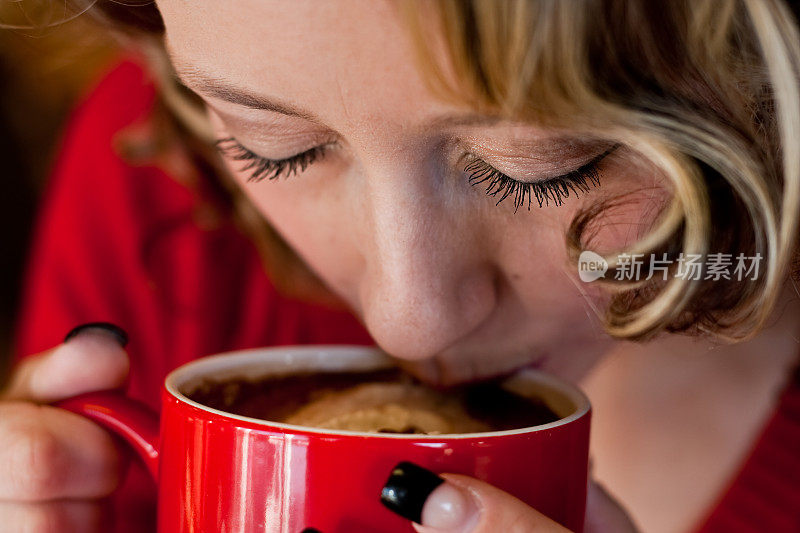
pixel 538 363
pixel 458 369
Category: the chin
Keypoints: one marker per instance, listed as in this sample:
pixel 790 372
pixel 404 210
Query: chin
pixel 573 370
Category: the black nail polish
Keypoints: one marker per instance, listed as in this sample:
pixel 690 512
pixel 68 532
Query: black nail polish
pixel 407 489
pixel 118 332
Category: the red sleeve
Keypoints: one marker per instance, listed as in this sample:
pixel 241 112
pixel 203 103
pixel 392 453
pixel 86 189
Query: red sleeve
pixel 86 232
pixel 83 264
pixel 123 243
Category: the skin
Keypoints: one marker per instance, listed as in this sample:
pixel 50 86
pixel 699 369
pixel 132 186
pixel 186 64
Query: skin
pixel 438 274
pixel 452 285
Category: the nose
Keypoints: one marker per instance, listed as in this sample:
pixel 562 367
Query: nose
pixel 428 283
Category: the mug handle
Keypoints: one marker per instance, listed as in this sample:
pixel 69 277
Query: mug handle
pixel 132 420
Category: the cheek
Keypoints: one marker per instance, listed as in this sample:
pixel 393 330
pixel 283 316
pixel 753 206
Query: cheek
pixel 534 257
pixel 306 211
pixel 536 264
pixel 312 220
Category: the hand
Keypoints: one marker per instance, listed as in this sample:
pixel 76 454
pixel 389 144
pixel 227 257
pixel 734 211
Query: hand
pixel 56 466
pixel 459 504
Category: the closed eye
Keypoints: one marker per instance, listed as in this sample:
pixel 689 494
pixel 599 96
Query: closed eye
pixel 552 190
pixel 261 168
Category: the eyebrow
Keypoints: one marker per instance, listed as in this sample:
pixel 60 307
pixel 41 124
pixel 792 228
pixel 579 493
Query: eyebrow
pixel 207 85
pixel 210 86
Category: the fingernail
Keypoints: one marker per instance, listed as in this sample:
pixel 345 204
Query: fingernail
pixel 449 508
pixel 421 496
pixel 407 489
pixel 118 333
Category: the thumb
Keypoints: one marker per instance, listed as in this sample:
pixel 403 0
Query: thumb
pixel 454 503
pixel 92 357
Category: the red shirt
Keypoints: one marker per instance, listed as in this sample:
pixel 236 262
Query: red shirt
pixel 121 243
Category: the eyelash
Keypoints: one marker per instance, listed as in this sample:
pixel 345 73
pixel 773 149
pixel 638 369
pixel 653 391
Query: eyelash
pixel 262 168
pixel 554 189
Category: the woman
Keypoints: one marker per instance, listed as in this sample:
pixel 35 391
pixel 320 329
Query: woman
pixel 368 135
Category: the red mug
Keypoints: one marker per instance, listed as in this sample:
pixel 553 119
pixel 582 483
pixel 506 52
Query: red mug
pixel 217 471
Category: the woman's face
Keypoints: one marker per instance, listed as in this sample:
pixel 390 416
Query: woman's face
pixel 380 205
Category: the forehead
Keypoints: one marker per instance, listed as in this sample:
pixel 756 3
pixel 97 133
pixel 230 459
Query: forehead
pixel 333 55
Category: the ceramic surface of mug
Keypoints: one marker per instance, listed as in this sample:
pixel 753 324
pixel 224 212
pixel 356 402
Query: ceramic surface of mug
pixel 216 471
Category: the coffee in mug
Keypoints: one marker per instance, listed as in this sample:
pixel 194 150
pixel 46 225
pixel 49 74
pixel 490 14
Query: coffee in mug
pixel 386 401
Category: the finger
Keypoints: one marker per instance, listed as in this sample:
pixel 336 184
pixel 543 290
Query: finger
pixel 55 517
pixel 48 453
pixel 92 358
pixel 459 504
pixel 604 514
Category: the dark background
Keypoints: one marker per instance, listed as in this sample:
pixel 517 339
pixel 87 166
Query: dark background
pixel 44 69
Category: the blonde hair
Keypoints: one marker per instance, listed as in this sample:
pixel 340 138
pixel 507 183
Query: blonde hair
pixel 705 90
